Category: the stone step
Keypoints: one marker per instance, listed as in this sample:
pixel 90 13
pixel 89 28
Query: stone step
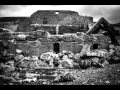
pixel 46 77
pixel 45 71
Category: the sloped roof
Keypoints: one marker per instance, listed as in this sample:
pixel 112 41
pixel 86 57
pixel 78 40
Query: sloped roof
pixel 94 28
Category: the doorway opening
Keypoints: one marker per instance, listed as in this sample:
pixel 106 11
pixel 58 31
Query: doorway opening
pixel 56 47
pixel 95 46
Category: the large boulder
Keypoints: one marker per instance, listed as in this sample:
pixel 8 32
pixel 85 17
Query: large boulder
pixel 33 65
pixel 11 68
pixel 67 63
pixel 42 64
pixel 76 65
pixel 48 55
pixel 64 76
pixel 34 58
pixel 50 58
pixel 85 63
pixel 18 51
pixel 76 57
pixel 96 60
pixel 10 63
pixel 19 57
pixel 7 68
pixel 105 63
pixel 99 62
pixel 25 64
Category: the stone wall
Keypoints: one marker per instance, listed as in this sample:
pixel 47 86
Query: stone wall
pixel 29 49
pixel 57 18
pixel 71 46
pixel 44 45
pixel 62 18
pixel 76 48
pixel 102 41
pixel 51 16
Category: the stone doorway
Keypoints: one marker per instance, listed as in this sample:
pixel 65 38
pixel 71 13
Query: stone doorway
pixel 95 46
pixel 56 47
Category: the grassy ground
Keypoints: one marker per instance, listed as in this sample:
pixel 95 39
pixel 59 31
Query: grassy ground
pixel 109 75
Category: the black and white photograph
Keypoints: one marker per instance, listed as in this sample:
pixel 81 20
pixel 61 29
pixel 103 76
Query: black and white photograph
pixel 59 44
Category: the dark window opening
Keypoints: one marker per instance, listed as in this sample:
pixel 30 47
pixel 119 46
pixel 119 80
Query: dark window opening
pixel 56 47
pixel 45 21
pixel 95 46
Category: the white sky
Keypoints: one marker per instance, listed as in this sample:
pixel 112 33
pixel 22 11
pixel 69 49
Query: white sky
pixel 110 12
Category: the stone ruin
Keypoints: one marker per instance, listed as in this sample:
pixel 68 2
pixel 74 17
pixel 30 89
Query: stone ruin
pixel 35 45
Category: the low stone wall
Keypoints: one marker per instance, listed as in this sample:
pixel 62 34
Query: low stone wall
pixel 43 45
pixel 29 49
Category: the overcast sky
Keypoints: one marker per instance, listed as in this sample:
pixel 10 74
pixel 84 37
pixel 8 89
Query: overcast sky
pixel 109 12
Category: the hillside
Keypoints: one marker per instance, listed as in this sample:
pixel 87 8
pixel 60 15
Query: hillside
pixel 11 19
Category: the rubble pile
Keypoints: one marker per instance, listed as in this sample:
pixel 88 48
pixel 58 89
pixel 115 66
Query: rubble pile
pixel 65 59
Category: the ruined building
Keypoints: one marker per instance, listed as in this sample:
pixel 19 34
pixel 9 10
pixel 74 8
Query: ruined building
pixel 68 22
pixel 61 30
